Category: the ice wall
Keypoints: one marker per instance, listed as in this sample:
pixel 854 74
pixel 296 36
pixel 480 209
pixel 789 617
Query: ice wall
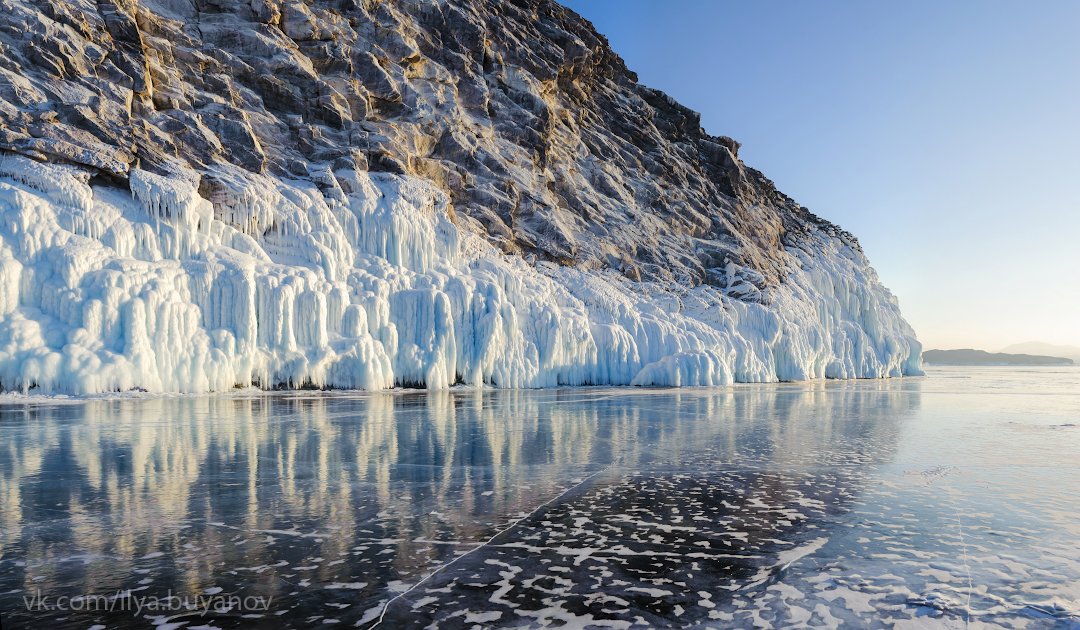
pixel 363 281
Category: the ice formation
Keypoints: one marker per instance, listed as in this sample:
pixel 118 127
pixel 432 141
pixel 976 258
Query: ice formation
pixel 373 285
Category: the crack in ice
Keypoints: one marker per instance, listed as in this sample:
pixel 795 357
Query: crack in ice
pixel 484 544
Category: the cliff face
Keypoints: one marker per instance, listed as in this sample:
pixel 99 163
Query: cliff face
pixel 365 152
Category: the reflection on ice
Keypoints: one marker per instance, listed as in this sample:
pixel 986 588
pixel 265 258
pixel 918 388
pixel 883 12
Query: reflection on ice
pixel 570 506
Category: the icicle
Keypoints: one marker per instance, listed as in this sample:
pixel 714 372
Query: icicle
pixel 273 283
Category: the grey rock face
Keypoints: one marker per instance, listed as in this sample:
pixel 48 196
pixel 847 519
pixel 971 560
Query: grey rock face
pixel 518 109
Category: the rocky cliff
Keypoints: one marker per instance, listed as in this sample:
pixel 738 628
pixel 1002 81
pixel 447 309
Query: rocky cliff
pixel 197 195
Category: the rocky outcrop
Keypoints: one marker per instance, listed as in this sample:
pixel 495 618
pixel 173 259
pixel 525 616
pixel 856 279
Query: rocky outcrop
pixel 197 194
pixel 519 110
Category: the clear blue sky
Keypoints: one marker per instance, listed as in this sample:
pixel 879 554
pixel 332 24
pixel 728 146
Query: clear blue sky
pixel 945 135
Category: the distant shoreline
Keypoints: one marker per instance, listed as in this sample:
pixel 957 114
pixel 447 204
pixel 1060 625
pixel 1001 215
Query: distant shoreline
pixel 970 357
pixel 1003 365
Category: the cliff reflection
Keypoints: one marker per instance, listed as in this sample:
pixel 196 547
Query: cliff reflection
pixel 332 503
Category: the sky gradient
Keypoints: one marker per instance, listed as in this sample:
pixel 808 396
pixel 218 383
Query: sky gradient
pixel 944 135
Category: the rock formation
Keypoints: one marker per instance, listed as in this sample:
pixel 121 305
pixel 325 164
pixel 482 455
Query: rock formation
pixel 201 194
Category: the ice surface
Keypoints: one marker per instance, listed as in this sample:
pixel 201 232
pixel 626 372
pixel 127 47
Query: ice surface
pixel 896 503
pixel 367 282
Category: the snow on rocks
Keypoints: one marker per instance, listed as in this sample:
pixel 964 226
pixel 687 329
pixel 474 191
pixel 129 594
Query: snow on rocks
pixel 373 285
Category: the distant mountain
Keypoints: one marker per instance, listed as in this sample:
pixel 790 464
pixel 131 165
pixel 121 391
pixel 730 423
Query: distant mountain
pixel 982 357
pixel 1048 349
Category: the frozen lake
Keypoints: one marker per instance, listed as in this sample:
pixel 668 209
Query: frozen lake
pixel 932 501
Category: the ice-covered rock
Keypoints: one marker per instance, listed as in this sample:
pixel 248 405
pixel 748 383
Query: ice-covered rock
pixel 165 296
pixel 195 196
